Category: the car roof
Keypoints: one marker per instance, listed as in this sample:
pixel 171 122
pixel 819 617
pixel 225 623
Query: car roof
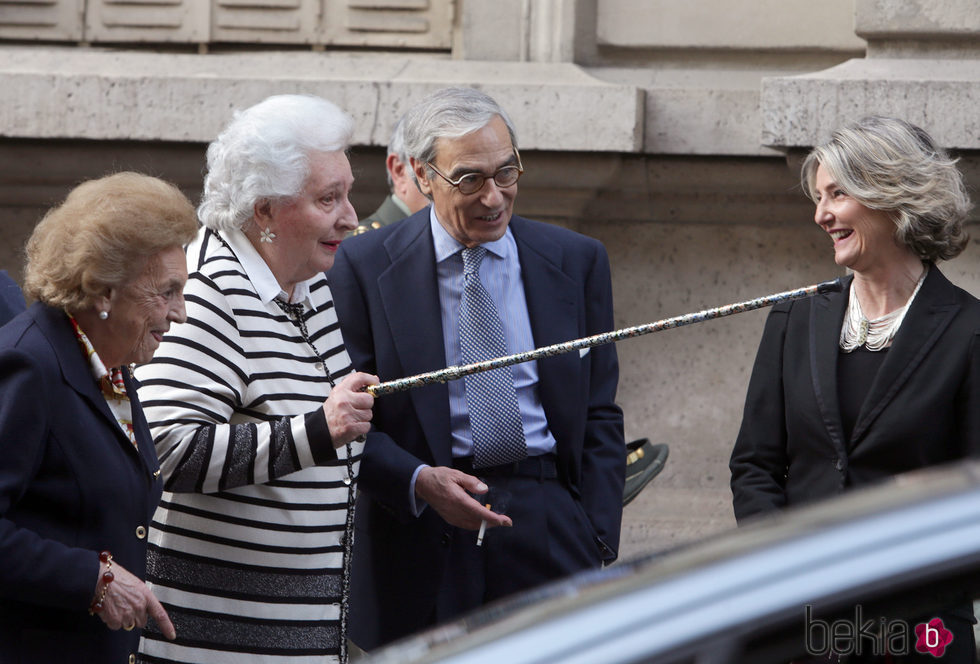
pixel 914 529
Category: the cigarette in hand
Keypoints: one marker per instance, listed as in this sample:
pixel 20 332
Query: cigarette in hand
pixel 479 536
pixel 483 529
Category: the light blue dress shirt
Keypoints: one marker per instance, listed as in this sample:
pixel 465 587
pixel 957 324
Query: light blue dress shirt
pixel 500 273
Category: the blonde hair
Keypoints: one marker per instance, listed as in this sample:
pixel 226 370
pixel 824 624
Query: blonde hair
pixel 101 236
pixel 892 165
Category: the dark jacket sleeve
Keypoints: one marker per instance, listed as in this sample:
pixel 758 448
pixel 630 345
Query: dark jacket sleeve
pixel 968 401
pixel 604 450
pixel 33 568
pixel 11 298
pixel 759 460
pixel 386 467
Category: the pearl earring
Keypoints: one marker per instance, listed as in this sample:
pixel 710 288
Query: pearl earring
pixel 267 236
pixel 103 315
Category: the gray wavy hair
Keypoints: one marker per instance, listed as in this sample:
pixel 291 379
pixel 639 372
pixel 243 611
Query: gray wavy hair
pixel 264 153
pixel 892 165
pixel 449 113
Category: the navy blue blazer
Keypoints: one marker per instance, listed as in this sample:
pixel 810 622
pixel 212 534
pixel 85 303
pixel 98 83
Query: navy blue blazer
pixel 71 485
pixel 385 289
pixel 923 407
pixel 11 298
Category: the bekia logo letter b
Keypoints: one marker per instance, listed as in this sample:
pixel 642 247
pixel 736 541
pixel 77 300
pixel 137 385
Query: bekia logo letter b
pixel 932 637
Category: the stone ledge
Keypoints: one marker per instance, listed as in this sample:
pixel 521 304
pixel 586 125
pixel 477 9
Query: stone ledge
pixel 922 20
pixel 53 92
pixel 940 95
pixel 698 111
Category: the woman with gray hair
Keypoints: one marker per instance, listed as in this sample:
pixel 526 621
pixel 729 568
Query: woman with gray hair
pixel 852 388
pixel 254 406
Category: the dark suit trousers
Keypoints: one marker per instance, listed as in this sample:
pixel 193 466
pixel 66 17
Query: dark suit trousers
pixel 550 539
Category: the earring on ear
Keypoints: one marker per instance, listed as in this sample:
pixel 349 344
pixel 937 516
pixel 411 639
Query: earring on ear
pixel 103 315
pixel 267 236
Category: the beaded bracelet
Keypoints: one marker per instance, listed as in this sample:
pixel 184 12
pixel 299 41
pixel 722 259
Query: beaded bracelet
pixel 107 577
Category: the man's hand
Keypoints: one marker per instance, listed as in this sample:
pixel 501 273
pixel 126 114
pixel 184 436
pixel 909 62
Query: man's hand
pixel 448 490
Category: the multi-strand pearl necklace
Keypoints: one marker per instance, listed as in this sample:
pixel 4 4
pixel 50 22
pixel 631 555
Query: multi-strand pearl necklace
pixel 874 334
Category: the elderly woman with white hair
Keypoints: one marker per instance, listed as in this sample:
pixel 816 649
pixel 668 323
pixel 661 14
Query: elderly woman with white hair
pixel 850 389
pixel 253 403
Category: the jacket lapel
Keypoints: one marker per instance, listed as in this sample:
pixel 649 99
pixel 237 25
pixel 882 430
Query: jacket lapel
pixel 826 318
pixel 929 315
pixel 410 295
pixel 552 302
pixel 144 443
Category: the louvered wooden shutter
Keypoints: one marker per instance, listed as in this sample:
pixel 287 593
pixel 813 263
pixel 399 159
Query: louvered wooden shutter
pixel 382 24
pixel 180 21
pixel 389 23
pixel 266 21
pixel 54 20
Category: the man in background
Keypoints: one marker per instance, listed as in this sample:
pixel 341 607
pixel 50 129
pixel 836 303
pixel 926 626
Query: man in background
pixel 405 197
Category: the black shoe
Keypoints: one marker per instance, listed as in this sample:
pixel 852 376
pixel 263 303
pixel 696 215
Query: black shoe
pixel 644 461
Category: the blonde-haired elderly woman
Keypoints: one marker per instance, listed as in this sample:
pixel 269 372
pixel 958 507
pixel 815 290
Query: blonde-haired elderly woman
pixel 79 478
pixel 254 405
pixel 852 388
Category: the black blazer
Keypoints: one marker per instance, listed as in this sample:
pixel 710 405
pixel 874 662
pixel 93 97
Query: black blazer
pixel 71 485
pixel 923 407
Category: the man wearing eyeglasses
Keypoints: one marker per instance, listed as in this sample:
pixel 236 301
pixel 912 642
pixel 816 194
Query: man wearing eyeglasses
pixel 537 447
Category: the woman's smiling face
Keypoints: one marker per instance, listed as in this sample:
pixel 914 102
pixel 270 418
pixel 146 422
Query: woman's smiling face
pixel 141 311
pixel 862 236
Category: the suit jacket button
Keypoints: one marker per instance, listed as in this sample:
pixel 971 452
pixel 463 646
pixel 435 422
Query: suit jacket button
pixel 132 659
pixel 141 532
pixel 446 539
pixel 840 464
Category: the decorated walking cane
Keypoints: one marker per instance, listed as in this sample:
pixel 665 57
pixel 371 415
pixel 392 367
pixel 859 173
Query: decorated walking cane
pixel 456 372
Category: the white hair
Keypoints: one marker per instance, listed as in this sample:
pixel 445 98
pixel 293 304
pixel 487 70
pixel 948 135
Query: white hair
pixel 264 153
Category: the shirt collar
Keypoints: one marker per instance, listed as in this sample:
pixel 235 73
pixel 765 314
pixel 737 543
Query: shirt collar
pixel 258 272
pixel 446 245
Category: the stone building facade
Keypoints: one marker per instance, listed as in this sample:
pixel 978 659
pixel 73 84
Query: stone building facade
pixel 672 131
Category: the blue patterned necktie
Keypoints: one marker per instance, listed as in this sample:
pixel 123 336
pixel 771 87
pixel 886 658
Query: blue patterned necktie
pixel 495 419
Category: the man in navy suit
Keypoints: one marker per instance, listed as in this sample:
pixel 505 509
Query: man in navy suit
pixel 418 556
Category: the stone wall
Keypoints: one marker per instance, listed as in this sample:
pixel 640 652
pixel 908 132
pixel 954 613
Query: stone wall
pixel 670 131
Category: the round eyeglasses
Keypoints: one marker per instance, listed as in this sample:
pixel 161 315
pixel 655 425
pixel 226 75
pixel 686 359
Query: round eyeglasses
pixel 473 182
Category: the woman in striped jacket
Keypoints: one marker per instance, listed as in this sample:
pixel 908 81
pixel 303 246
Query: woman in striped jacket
pixel 249 549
